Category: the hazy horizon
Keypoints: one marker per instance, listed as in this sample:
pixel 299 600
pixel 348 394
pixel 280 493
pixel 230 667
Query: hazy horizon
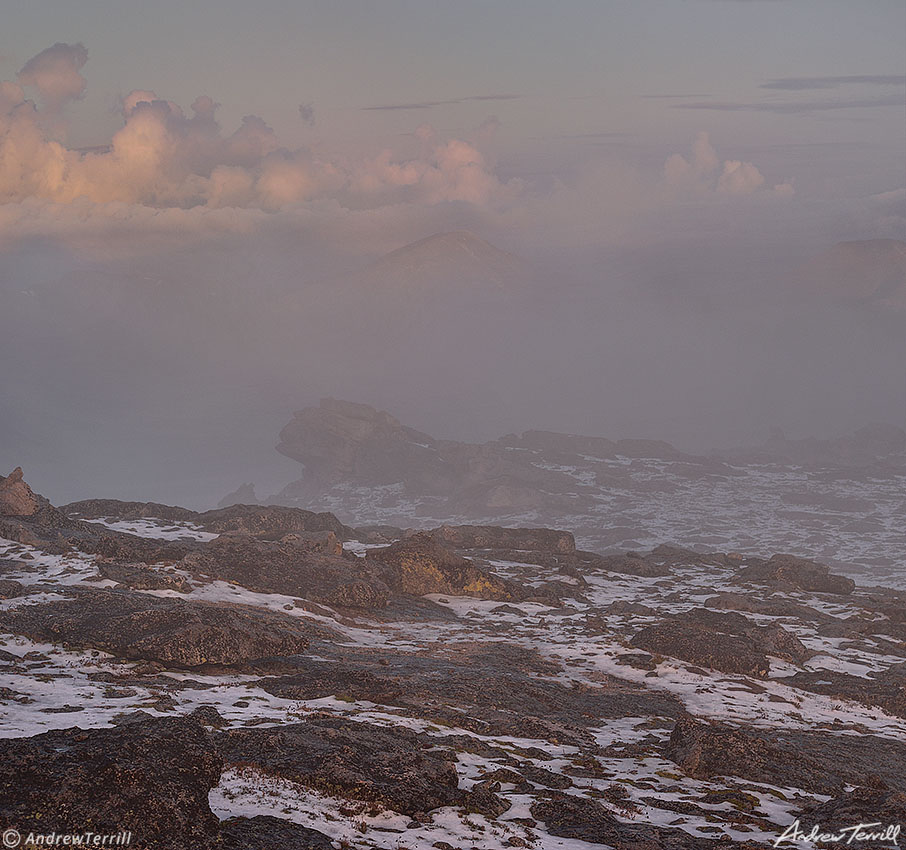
pixel 189 226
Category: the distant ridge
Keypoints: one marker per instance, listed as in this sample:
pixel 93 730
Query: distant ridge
pixel 870 272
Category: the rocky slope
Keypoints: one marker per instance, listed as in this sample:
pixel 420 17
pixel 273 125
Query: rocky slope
pixel 268 678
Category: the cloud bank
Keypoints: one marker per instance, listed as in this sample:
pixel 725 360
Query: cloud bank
pixel 165 157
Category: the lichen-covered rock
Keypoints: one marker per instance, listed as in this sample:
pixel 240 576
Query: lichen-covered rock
pixel 10 589
pixel 819 762
pixel 171 631
pixel 288 568
pixel 141 577
pixel 151 778
pixel 420 565
pixel 728 641
pixel 389 766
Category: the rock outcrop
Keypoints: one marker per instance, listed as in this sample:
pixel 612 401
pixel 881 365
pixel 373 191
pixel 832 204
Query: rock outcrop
pixel 16 497
pixel 250 519
pixel 29 518
pixel 344 443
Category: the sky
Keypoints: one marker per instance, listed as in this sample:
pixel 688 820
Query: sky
pixel 177 179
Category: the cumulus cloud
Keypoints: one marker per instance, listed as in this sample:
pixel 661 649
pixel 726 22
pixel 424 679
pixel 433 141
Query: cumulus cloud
pixel 54 72
pixel 702 171
pixel 163 156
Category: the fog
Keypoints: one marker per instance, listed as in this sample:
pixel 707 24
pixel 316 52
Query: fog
pixel 169 299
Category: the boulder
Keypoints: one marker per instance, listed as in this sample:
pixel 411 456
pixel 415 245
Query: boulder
pixel 728 642
pixel 800 573
pixel 630 563
pixel 10 589
pixel 420 565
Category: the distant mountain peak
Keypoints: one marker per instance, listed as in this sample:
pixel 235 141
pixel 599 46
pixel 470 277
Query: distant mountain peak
pixel 449 257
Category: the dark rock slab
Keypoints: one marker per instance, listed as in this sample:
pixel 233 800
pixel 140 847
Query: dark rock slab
pixel 489 690
pixel 391 767
pixel 171 631
pixel 820 762
pixel 264 832
pixel 150 777
pixel 570 816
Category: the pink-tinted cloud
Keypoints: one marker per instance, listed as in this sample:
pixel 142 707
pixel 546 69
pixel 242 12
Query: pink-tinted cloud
pixel 704 172
pixel 164 157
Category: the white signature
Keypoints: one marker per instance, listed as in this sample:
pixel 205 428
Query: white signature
pixel 860 832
